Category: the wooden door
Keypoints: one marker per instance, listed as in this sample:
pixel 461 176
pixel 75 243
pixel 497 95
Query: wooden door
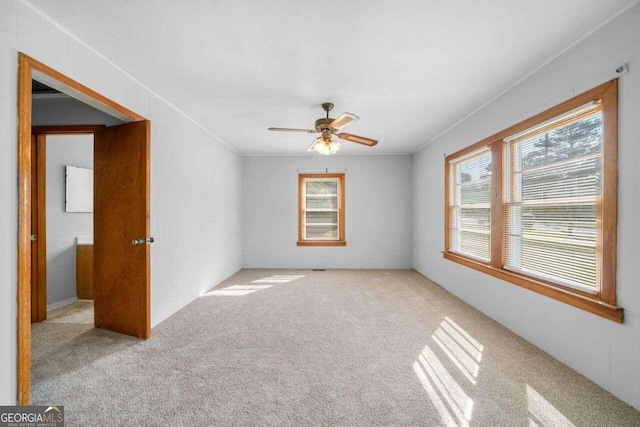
pixel 121 215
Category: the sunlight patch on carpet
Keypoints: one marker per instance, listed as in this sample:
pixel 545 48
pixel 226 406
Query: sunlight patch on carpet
pixel 279 278
pixel 463 350
pixel 453 404
pixel 544 413
pixel 236 290
pixel 444 391
pixel 253 286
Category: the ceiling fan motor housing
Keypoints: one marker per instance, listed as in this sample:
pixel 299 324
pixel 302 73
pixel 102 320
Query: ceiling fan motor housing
pixel 322 124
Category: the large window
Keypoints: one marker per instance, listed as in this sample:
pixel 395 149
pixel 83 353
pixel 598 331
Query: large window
pixel 536 204
pixel 321 210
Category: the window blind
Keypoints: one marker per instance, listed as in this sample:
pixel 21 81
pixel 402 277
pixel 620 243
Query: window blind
pixel 321 208
pixel 552 209
pixel 470 205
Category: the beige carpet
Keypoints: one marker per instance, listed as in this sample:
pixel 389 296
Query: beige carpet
pixel 297 347
pixel 80 311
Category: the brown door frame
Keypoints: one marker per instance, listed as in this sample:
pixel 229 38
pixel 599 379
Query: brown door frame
pixel 26 68
pixel 39 211
pixel 39 229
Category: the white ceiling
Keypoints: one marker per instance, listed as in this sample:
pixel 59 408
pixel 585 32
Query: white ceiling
pixel 409 69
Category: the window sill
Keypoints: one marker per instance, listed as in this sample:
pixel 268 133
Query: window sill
pixel 322 243
pixel 577 299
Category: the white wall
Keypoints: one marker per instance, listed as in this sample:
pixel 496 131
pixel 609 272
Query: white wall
pixel 606 352
pixel 195 179
pixel 378 212
pixel 63 227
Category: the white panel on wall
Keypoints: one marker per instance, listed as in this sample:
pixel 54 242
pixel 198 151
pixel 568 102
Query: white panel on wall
pixel 79 189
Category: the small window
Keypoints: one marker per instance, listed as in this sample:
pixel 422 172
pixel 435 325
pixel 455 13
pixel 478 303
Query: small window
pixel 536 204
pixel 321 210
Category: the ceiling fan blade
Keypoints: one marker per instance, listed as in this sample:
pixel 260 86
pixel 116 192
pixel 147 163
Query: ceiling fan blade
pixel 343 120
pixel 359 139
pixel 294 130
pixel 312 147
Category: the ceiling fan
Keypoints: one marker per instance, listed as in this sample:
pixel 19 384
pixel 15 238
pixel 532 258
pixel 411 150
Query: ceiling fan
pixel 329 127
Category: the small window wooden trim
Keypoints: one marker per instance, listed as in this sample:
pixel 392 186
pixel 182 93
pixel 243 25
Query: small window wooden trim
pixel 601 303
pixel 341 210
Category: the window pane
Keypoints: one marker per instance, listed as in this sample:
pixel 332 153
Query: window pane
pixel 322 217
pixel 574 178
pixel 475 244
pixel 475 219
pixel 322 232
pixel 322 187
pixel 470 220
pixel 554 187
pixel 571 222
pixel 321 202
pixel 475 168
pixel 577 139
pixel 557 242
pixel 557 261
pixel 476 191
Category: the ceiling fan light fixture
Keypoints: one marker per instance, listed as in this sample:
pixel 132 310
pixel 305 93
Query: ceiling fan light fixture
pixel 326 146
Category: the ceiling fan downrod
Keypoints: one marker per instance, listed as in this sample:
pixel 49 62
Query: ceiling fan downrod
pixel 322 125
pixel 327 106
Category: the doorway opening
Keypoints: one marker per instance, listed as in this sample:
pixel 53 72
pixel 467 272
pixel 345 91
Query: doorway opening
pixel 62 209
pixel 121 216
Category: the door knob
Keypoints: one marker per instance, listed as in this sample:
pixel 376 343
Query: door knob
pixel 141 241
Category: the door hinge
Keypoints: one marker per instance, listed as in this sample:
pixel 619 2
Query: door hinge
pixel 34 237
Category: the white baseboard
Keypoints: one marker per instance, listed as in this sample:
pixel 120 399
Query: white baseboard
pixel 61 303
